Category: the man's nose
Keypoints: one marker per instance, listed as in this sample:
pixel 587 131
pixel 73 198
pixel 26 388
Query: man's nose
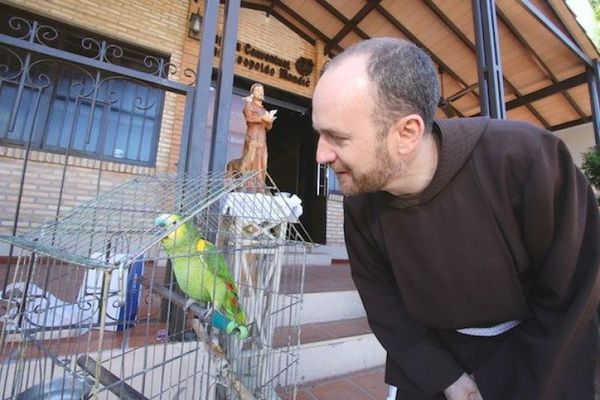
pixel 325 154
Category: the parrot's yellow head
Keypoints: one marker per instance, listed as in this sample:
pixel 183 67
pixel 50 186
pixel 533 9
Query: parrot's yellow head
pixel 169 221
pixel 166 220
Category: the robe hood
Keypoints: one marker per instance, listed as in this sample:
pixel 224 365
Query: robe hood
pixel 457 139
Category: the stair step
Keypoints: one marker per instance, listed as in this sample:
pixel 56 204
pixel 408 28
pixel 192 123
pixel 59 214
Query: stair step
pixel 340 356
pixel 329 293
pixel 318 255
pixel 328 279
pixel 317 278
pixel 334 348
pixel 335 338
pixel 331 306
pixel 322 331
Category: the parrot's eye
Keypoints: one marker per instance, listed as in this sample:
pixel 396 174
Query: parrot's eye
pixel 174 222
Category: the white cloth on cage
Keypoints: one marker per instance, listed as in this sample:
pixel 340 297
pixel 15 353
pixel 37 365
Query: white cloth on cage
pixel 263 207
pixel 44 310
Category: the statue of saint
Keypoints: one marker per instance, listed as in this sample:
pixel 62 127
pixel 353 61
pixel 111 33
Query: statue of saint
pixel 258 122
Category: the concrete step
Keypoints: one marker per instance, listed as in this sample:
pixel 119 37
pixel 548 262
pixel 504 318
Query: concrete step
pixel 317 278
pixel 334 348
pixel 331 306
pixel 335 336
pixel 329 293
pixel 317 255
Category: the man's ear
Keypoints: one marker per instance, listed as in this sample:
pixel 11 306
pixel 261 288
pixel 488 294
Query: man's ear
pixel 407 133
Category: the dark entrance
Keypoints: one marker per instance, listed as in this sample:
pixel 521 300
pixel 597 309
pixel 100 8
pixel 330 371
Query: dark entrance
pixel 292 166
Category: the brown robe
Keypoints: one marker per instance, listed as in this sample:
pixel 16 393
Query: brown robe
pixel 508 229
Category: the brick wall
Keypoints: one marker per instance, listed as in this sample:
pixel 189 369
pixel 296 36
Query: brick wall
pixel 83 181
pixel 335 219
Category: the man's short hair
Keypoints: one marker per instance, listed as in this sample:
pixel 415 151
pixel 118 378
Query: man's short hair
pixel 404 76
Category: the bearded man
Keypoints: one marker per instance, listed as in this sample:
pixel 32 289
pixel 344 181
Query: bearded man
pixel 473 243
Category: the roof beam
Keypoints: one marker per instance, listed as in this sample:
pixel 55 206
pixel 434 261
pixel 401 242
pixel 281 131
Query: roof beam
pixel 271 7
pixel 294 28
pixel 448 22
pixel 452 26
pixel 570 124
pixel 332 10
pixel 583 41
pixel 547 91
pixel 461 93
pixel 386 14
pixel 359 16
pixel 536 58
pixel 304 22
pixel 449 110
pixel 549 25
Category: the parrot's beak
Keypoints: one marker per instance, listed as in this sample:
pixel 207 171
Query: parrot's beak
pixel 162 220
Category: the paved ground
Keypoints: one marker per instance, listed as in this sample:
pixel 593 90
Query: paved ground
pixel 366 385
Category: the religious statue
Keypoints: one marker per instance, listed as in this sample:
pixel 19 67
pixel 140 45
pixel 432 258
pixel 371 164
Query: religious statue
pixel 258 122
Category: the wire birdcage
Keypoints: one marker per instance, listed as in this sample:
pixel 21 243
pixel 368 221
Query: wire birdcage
pixel 94 309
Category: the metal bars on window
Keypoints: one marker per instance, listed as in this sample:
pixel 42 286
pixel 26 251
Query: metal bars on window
pixel 75 96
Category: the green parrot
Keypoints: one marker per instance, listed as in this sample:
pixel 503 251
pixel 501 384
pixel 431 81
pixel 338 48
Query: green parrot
pixel 202 273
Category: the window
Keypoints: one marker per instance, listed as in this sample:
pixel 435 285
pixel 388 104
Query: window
pixel 58 106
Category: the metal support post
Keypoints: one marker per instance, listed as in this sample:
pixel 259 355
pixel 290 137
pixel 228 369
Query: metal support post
pixel 491 87
pixel 191 157
pixel 593 79
pixel 191 154
pixel 223 98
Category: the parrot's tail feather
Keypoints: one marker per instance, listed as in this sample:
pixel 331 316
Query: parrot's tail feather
pixel 240 317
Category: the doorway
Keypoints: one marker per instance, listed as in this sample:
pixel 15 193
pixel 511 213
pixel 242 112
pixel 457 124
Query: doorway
pixel 292 166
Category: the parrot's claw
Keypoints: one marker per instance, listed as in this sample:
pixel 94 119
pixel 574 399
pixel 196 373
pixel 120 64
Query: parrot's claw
pixel 208 312
pixel 189 303
pixel 242 331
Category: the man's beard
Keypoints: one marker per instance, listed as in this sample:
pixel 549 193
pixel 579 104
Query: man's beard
pixel 376 177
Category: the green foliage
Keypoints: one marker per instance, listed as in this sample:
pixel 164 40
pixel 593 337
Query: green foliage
pixel 596 7
pixel 596 34
pixel 591 166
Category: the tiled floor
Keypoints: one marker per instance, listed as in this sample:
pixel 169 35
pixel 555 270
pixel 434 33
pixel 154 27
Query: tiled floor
pixel 364 385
